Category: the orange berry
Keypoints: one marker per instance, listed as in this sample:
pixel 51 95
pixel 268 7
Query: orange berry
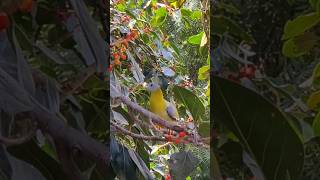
pixel 4 21
pixel 26 6
pixel 125 42
pixel 135 34
pixel 116 56
pixel 117 62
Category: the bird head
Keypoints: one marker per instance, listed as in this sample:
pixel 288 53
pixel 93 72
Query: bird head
pixel 152 86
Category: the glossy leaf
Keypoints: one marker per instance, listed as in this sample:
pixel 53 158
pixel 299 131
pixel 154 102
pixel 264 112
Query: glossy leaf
pixel 203 72
pixel 204 129
pixel 196 39
pixel 316 125
pixel 13 97
pixel 121 162
pixel 159 17
pixel 229 8
pixel 300 24
pixel 90 27
pixel 23 170
pixel 224 24
pixel 31 153
pixel 190 101
pixel 316 76
pixel 262 128
pixel 299 45
pixel 141 165
pixel 314 100
pixel 182 164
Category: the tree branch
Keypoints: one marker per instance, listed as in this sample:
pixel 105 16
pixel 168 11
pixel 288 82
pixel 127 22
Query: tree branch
pixel 72 138
pixel 16 141
pixel 155 119
pixel 72 85
pixel 68 164
pixel 139 136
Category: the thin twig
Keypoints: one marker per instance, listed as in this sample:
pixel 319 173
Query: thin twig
pixel 17 141
pixel 72 85
pixel 139 136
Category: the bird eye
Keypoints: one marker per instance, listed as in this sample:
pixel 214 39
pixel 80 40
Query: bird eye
pixel 151 85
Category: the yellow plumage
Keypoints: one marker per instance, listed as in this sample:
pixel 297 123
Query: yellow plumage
pixel 159 105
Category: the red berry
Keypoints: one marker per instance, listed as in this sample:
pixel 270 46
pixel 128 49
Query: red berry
pixel 168 177
pixel 177 141
pixel 123 57
pixel 249 70
pixel 4 21
pixel 116 56
pixel 168 138
pixel 182 134
pixel 110 68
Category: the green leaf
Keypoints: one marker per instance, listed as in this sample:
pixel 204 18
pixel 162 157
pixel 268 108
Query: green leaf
pixel 196 39
pixel 196 15
pixel 229 8
pixel 204 129
pixel 261 127
pixel 193 15
pixel 316 125
pixel 121 7
pixel 159 17
pixel 299 45
pixel 175 48
pixel 182 164
pixel 122 163
pixel 31 153
pixel 314 100
pixel 203 72
pixel 300 24
pixel 224 24
pixel 23 170
pixel 186 12
pixel 316 75
pixel 190 101
pixel 315 4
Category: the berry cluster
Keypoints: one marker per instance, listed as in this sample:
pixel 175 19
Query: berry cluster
pixel 25 6
pixel 247 71
pixel 176 140
pixel 120 48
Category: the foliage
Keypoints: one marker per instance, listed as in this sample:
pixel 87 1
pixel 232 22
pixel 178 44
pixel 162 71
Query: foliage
pixel 282 72
pixel 53 57
pixel 154 41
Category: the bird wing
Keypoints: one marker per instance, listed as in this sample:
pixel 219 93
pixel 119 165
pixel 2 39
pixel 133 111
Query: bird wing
pixel 172 111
